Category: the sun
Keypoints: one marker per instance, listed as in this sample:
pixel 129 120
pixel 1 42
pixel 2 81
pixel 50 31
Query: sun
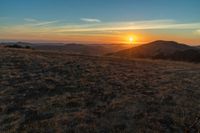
pixel 131 39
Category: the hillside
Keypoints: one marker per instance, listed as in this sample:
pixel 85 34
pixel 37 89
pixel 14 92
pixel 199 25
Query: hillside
pixel 162 50
pixel 57 92
pixel 83 49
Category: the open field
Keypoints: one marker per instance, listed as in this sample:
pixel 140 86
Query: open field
pixel 56 92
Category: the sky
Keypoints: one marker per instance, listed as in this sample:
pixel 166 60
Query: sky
pixel 100 21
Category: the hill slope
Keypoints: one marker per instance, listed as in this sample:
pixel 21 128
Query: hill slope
pixel 57 92
pixel 83 49
pixel 162 50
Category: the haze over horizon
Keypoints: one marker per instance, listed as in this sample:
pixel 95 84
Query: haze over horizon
pixel 93 21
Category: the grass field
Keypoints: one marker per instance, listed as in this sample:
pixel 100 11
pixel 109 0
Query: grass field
pixel 57 92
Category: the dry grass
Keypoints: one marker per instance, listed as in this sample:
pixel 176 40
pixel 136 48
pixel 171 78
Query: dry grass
pixel 57 92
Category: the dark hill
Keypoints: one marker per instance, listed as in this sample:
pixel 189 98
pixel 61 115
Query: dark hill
pixel 162 50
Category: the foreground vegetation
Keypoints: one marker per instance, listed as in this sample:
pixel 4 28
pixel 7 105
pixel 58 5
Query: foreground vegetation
pixel 57 92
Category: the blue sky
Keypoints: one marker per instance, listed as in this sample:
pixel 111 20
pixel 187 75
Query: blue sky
pixel 107 10
pixel 100 14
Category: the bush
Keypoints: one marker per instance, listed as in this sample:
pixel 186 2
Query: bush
pixel 17 46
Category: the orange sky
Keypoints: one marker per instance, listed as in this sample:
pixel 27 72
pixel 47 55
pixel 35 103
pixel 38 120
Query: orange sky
pixel 110 32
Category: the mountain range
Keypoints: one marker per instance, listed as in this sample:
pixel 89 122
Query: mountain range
pixel 166 50
pixel 72 48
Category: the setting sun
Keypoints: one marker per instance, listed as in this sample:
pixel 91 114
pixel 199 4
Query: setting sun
pixel 131 39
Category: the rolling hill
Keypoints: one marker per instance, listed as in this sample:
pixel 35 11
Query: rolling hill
pixel 162 50
pixel 72 48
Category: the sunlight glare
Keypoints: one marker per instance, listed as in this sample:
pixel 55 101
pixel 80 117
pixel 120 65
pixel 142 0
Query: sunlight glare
pixel 131 39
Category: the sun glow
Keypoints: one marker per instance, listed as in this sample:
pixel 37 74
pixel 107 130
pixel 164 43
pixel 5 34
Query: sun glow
pixel 131 39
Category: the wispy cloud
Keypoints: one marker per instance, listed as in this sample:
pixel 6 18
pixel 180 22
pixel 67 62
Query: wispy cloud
pixel 54 28
pixel 4 18
pixel 45 23
pixel 30 20
pixel 35 22
pixel 132 25
pixel 91 20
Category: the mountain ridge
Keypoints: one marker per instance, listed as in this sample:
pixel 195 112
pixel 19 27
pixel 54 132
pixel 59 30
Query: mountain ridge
pixel 74 48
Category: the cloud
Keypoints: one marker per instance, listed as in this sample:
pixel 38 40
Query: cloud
pixel 131 25
pixel 4 18
pixel 35 22
pixel 30 20
pixel 44 23
pixel 198 31
pixel 91 20
pixel 53 27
